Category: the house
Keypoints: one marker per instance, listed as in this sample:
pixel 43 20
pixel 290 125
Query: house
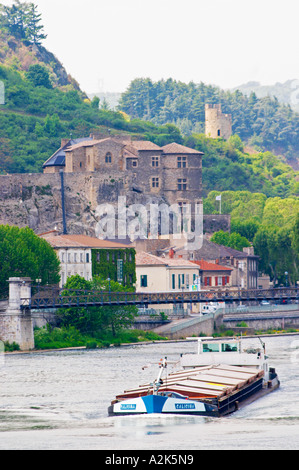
pixel 244 264
pixel 214 275
pixel 89 256
pixel 157 274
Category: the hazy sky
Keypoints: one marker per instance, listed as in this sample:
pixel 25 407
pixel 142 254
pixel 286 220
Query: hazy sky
pixel 104 44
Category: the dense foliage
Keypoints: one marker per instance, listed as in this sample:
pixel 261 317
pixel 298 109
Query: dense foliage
pixel 24 254
pixel 96 320
pixel 271 225
pixel 263 122
pixel 69 337
pixel 37 115
pixel 233 240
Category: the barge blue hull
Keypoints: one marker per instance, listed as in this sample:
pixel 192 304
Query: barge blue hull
pixel 160 404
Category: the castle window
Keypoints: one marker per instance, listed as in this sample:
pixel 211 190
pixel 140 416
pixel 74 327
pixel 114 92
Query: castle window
pixel 219 133
pixel 182 162
pixel 182 184
pixel 155 182
pixel 108 158
pixel 134 163
pixel 155 162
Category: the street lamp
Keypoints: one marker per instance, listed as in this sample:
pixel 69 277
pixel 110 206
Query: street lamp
pixel 286 281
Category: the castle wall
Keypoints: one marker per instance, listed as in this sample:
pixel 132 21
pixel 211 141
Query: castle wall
pixel 177 179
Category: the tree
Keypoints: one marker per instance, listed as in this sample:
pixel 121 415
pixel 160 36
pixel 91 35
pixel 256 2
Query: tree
pixel 24 254
pixel 276 249
pixel 34 30
pixel 38 75
pixel 233 240
pixel 23 22
pixel 114 317
pixel 95 103
pixel 95 321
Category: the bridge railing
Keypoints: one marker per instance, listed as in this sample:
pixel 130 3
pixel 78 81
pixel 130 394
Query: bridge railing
pixel 53 297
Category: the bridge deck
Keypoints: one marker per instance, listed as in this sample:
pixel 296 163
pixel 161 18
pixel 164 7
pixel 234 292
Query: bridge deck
pixel 61 298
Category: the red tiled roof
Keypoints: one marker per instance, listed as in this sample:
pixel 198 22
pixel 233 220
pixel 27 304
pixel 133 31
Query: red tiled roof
pixel 83 241
pixel 143 258
pixel 147 259
pixel 206 266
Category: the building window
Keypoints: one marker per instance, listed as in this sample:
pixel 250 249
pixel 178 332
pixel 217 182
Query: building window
pixel 108 158
pixel 81 258
pixel 155 162
pixel 134 163
pixel 87 257
pixel 182 184
pixel 143 281
pixel 155 182
pixel 69 258
pixel 181 279
pixel 182 162
pixel 173 281
pixel 219 133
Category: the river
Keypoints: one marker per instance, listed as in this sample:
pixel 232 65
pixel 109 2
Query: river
pixel 59 400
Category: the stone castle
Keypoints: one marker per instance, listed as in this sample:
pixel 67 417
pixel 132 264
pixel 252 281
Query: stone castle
pixel 173 171
pixel 100 170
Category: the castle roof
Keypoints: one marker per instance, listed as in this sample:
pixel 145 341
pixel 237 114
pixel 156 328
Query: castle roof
pixel 144 145
pixel 177 148
pixel 58 158
pixel 132 147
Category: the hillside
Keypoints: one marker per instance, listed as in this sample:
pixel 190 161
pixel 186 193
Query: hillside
pixel 264 123
pixel 19 53
pixel 43 105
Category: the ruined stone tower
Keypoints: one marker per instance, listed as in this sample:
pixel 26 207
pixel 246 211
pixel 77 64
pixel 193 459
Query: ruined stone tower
pixel 217 123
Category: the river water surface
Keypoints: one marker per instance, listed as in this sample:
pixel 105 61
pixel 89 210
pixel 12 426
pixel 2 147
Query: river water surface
pixel 59 400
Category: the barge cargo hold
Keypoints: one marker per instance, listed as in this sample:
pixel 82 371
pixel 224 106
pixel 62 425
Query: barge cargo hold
pixel 218 380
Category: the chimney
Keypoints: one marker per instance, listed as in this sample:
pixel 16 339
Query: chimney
pixel 249 250
pixel 64 142
pixel 171 253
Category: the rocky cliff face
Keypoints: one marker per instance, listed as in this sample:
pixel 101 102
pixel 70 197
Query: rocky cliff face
pixel 35 200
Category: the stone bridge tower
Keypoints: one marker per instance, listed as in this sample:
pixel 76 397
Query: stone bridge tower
pixel 218 125
pixel 16 324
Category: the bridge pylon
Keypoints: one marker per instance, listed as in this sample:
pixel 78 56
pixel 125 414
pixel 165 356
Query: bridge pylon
pixel 16 324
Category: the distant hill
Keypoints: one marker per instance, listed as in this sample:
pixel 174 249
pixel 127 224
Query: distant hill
pixel 263 123
pixel 286 93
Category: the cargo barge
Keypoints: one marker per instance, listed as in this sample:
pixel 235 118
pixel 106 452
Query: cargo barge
pixel 217 380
